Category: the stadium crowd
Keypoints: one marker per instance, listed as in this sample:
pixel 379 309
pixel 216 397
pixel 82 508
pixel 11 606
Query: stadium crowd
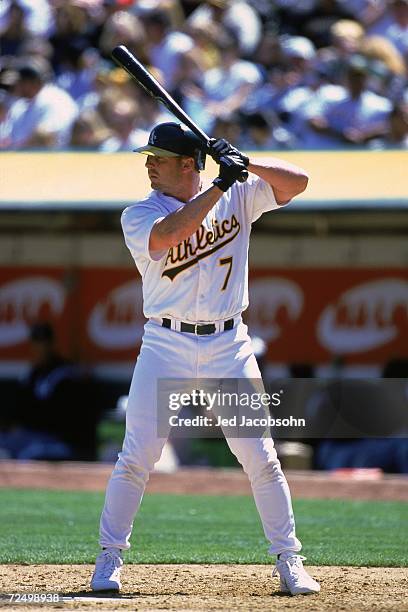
pixel 265 74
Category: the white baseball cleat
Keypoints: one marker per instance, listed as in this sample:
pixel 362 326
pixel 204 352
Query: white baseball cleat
pixel 106 576
pixel 294 579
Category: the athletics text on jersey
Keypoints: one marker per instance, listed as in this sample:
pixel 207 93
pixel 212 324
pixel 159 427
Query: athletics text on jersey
pixel 205 277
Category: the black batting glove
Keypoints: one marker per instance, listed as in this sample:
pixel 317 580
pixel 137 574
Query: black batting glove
pixel 219 147
pixel 231 169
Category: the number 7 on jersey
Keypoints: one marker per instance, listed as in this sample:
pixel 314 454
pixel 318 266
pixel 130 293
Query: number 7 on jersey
pixel 226 261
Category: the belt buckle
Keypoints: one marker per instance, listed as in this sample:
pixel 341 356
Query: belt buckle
pixel 196 326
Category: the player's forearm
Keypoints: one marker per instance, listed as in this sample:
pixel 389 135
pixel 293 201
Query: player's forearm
pixel 182 223
pixel 287 180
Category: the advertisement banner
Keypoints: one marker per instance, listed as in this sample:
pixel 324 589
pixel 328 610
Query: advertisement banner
pixel 28 295
pixel 313 315
pixel 303 315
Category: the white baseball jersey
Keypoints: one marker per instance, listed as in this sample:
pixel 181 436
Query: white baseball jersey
pixel 204 278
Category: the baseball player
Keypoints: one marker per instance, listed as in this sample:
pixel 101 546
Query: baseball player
pixel 190 245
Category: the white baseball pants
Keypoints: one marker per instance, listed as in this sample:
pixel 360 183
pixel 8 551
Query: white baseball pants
pixel 170 354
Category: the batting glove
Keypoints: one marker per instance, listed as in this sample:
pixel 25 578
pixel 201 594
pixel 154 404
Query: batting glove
pixel 231 170
pixel 219 147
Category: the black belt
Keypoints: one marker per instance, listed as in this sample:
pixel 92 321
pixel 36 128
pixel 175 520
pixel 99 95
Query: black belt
pixel 199 330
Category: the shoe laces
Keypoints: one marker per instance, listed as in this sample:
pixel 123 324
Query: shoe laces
pixel 109 563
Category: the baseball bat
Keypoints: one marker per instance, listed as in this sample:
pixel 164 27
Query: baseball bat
pixel 124 58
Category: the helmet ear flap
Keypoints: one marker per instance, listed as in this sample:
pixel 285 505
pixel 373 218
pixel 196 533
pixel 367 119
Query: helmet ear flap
pixel 199 159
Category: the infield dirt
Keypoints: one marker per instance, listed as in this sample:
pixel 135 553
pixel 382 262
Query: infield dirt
pixel 209 587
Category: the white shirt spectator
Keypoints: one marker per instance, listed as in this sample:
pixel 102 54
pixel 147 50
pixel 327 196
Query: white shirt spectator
pixel 77 83
pixel 136 139
pixel 389 27
pixel 52 111
pixel 311 104
pixel 38 16
pixel 239 17
pixel 220 83
pixel 367 113
pixel 165 55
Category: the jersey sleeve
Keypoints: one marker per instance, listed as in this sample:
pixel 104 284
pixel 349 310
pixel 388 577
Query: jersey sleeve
pixel 259 197
pixel 137 223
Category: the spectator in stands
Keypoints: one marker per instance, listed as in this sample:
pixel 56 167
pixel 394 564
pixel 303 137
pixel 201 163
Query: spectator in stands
pixel 298 54
pixel 367 406
pixel 291 59
pixel 73 26
pixel 8 79
pixel 122 119
pixel 366 12
pixel 358 115
pixel 397 32
pixel 123 28
pixel 38 15
pixel 37 47
pixel 187 77
pixel 236 16
pixel 394 25
pixel 318 95
pixel 4 104
pixel 397 135
pixel 42 114
pixel 78 69
pixel 268 53
pixel 389 70
pixel 89 131
pixel 205 50
pixel 228 127
pixel 13 31
pixel 380 49
pixel 310 18
pixel 292 83
pixel 317 26
pixel 108 97
pixel 346 37
pixel 55 415
pixel 165 47
pixel 226 88
pixel 292 14
pixel 262 133
pixel 298 51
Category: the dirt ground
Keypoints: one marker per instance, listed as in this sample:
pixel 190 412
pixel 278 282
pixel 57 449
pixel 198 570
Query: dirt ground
pixel 208 587
pixel 76 476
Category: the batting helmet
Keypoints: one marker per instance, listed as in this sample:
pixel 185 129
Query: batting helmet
pixel 172 140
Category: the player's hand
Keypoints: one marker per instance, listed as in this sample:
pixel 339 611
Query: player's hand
pixel 219 146
pixel 232 169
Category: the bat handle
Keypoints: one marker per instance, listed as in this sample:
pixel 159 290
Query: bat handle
pixel 243 177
